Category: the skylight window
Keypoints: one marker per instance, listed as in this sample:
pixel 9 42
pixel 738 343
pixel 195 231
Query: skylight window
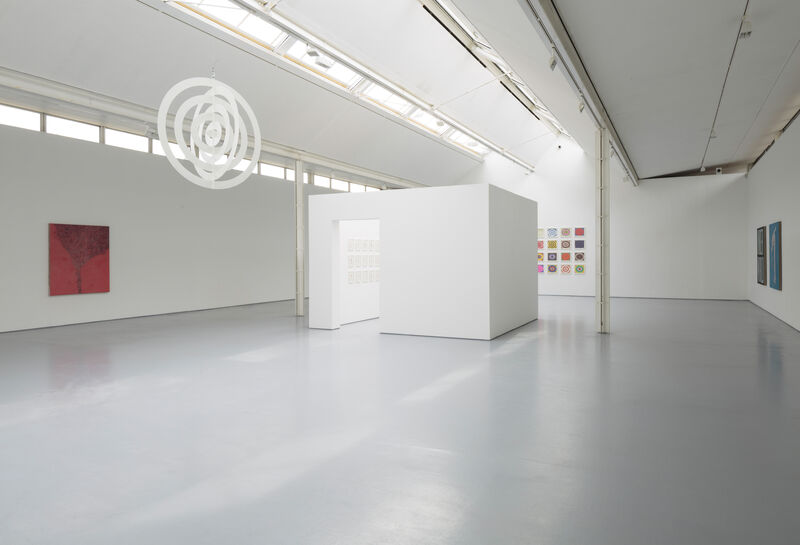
pixel 468 142
pixel 126 140
pixel 274 171
pixel 72 129
pixel 17 117
pixel 386 98
pixel 223 10
pixel 261 30
pixel 289 42
pixel 343 75
pixel 428 121
pixel 339 185
pixel 298 50
pixel 159 150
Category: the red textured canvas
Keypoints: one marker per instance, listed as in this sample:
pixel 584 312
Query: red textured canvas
pixel 79 259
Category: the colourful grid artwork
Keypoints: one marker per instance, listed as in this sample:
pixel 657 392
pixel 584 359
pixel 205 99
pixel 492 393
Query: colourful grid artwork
pixel 552 256
pixel 566 244
pixel 552 244
pixel 580 256
pixel 580 269
pixel 566 256
pixel 540 244
pixel 580 243
pixel 541 268
pixel 541 256
pixel 580 231
pixel 566 231
pixel 552 268
pixel 552 232
pixel 566 269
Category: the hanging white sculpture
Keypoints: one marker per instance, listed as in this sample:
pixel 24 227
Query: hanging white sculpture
pixel 218 132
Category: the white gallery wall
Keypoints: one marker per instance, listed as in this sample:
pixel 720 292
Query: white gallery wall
pixel 679 238
pixel 454 260
pixel 359 285
pixel 670 238
pixel 174 246
pixel 563 187
pixel 774 195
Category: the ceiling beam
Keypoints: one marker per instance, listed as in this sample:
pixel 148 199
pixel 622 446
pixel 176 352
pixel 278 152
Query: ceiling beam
pixel 551 24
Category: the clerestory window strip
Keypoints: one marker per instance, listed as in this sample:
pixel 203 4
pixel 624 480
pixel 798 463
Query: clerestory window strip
pixel 289 42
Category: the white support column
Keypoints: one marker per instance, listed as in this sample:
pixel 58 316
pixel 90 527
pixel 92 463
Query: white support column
pixel 299 241
pixel 603 230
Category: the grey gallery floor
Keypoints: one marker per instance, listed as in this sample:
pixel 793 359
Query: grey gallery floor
pixel 241 426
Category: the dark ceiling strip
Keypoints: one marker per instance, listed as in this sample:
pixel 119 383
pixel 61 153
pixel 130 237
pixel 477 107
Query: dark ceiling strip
pixel 783 130
pixel 474 56
pixel 724 83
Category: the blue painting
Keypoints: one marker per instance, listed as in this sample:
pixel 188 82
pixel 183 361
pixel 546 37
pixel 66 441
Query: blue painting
pixel 775 255
pixel 579 243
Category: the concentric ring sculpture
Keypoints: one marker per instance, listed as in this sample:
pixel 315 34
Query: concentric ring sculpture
pixel 219 123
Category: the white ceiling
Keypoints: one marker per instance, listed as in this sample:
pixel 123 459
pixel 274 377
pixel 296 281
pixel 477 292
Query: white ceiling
pixel 508 29
pixel 401 41
pixel 100 46
pixel 128 50
pixel 659 69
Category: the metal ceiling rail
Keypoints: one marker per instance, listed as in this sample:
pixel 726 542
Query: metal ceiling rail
pixel 581 81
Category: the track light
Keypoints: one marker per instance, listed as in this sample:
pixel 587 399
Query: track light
pixel 746 30
pixel 581 105
pixel 553 61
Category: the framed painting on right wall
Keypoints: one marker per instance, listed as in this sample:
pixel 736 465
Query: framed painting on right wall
pixel 775 276
pixel 761 258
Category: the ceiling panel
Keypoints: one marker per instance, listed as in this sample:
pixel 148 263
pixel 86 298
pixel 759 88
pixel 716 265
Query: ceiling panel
pixel 511 33
pixel 659 69
pixel 87 45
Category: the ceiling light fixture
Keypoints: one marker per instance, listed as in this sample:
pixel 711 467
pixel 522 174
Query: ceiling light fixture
pixel 747 29
pixel 581 105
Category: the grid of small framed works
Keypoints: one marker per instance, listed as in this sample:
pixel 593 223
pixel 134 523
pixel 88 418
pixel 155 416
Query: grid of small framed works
pixel 363 261
pixel 562 250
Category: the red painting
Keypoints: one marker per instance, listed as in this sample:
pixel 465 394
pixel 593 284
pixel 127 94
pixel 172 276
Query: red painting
pixel 78 259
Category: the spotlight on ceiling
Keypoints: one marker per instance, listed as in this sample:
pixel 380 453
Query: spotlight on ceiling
pixel 746 30
pixel 319 59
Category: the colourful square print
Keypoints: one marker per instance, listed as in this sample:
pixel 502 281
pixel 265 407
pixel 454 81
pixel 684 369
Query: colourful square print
pixel 541 268
pixel 541 256
pixel 580 269
pixel 541 232
pixel 552 232
pixel 552 244
pixel 566 244
pixel 79 259
pixel 566 256
pixel 552 268
pixel 552 256
pixel 580 256
pixel 566 269
pixel 566 231
pixel 580 231
pixel 540 244
pixel 580 243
